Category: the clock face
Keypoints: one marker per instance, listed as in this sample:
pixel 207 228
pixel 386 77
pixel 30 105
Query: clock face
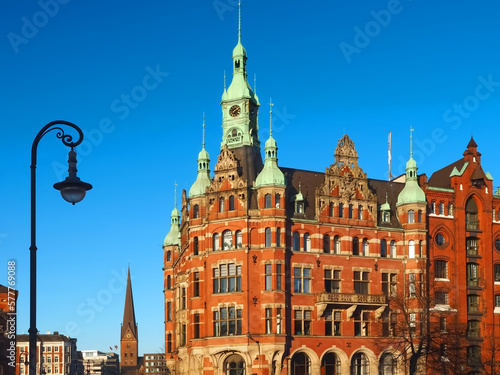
pixel 128 335
pixel 235 110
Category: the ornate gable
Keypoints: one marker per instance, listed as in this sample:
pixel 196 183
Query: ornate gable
pixel 346 183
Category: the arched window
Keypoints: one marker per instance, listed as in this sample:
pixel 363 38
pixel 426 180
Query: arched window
pixel 336 245
pixel 267 201
pixel 169 256
pixel 239 239
pixel 360 365
pixel 296 241
pixel 301 364
pixel 330 209
pixel 441 208
pixel 195 246
pixel 326 243
pixel 307 242
pixel 216 243
pixel 471 211
pixel 366 250
pixel 350 211
pixel 277 200
pixel 355 246
pixel 419 218
pixel 383 248
pixel 360 212
pixel 341 209
pixel 196 211
pixel 169 282
pixel 268 237
pixel 411 216
pixel 393 249
pixel 388 365
pixel 231 203
pixel 221 204
pixel 411 249
pixel 330 364
pixel 227 240
pixel 278 237
pixel 234 365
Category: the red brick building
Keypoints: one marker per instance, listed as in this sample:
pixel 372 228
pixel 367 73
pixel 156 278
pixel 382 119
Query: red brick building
pixel 272 270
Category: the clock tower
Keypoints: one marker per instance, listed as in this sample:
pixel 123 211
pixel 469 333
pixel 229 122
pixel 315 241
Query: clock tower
pixel 240 107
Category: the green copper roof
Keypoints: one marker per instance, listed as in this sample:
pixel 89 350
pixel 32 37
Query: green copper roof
pixel 270 174
pixel 411 193
pixel 386 206
pixel 203 178
pixel 174 236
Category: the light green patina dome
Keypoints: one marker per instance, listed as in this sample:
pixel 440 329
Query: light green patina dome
pixel 270 174
pixel 412 192
pixel 203 178
pixel 174 236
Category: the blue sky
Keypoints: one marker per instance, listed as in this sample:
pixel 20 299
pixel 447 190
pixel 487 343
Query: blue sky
pixel 138 78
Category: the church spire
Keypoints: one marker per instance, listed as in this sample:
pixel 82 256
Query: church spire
pixel 203 179
pixel 129 312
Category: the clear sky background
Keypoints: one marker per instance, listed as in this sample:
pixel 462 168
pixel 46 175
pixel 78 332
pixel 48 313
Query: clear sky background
pixel 331 67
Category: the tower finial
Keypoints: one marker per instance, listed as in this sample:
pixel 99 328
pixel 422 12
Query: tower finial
pixel 175 194
pixel 203 144
pixel 270 117
pixel 239 22
pixel 411 142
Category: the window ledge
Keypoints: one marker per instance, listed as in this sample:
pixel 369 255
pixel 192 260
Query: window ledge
pixel 441 279
pixel 497 310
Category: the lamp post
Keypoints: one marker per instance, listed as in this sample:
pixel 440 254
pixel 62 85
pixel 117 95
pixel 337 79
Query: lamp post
pixel 72 190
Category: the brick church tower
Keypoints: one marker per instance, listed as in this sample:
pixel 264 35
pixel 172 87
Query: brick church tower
pixel 129 335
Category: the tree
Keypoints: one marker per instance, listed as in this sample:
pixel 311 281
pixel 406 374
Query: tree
pixel 420 326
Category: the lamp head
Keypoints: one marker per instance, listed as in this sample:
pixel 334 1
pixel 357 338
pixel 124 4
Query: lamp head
pixel 72 189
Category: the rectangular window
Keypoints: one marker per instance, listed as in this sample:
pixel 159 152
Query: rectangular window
pixel 412 290
pixel 268 277
pixel 472 274
pixel 442 324
pixel 227 321
pixel 278 277
pixel 169 343
pixel 169 311
pixel 56 358
pixel 196 284
pixel 441 298
pixel 269 321
pixel 361 282
pixel 183 299
pixel 472 246
pixel 361 323
pixel 389 321
pixel 497 272
pixel 279 321
pixel 332 281
pixel 333 321
pixel 302 322
pixel 196 320
pixel 302 280
pixel 183 335
pixel 389 284
pixel 497 300
pixel 473 329
pixel 227 278
pixel 472 303
pixel 441 269
pixel 267 201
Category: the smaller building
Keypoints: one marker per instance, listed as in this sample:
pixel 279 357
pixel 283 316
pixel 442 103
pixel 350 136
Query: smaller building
pixel 56 354
pixel 154 363
pixel 94 362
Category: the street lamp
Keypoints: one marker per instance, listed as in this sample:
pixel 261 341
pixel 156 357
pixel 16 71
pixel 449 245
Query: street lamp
pixel 72 190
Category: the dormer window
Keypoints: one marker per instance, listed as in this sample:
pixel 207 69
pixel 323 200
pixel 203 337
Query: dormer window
pixel 299 207
pixel 386 216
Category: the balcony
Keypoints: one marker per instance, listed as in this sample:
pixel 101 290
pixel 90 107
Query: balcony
pixel 352 299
